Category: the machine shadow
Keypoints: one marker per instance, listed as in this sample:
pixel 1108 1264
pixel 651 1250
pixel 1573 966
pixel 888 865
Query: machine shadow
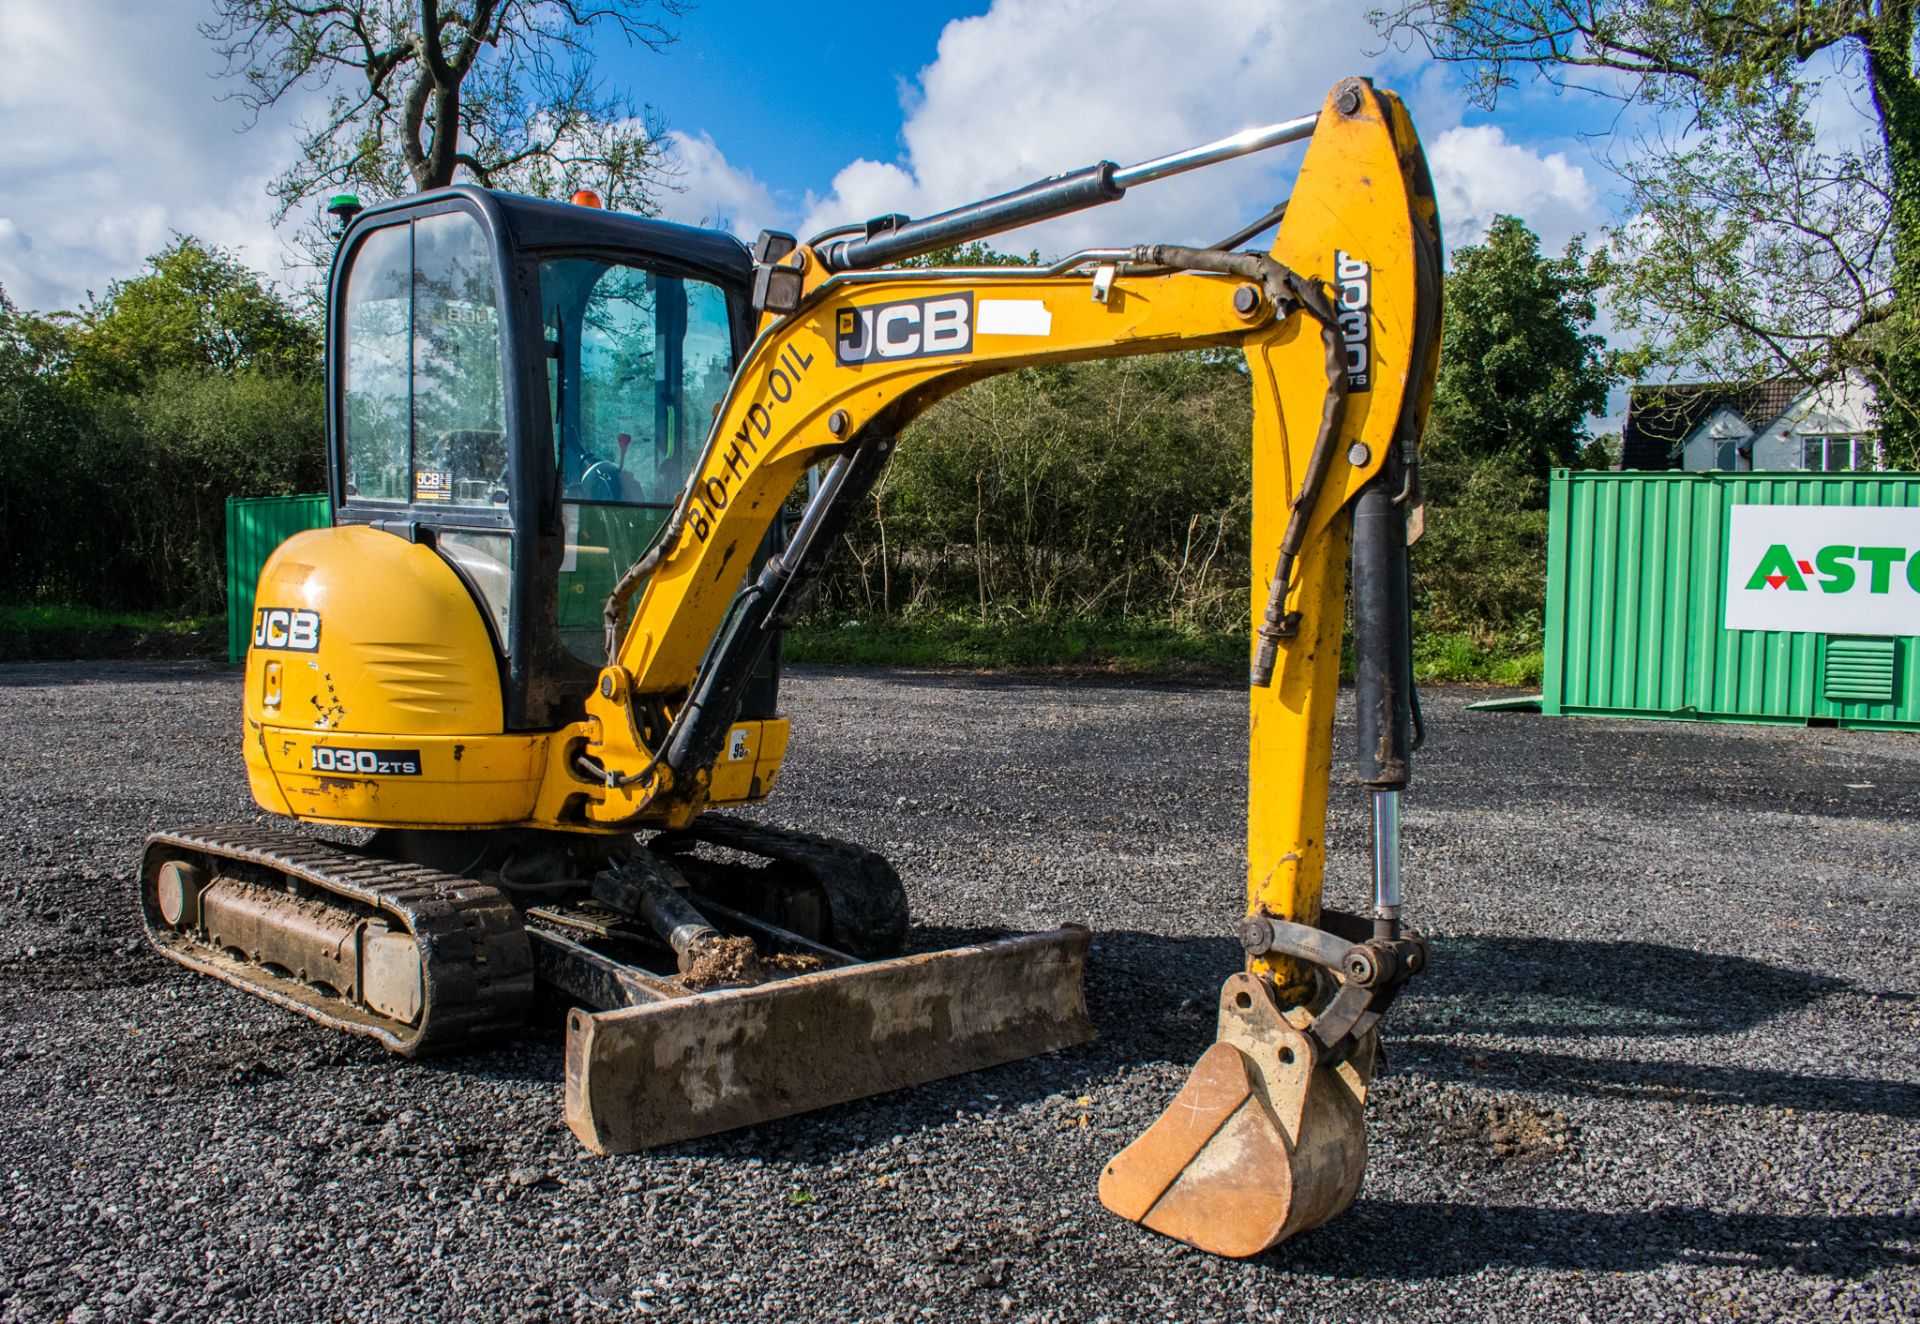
pixel 1570 991
pixel 1410 1240
pixel 1153 999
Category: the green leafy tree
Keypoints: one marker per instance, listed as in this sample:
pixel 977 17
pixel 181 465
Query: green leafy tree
pixel 423 92
pixel 197 308
pixel 1754 250
pixel 978 253
pixel 124 428
pixel 1520 369
pixel 199 438
pixel 1114 489
pixel 40 422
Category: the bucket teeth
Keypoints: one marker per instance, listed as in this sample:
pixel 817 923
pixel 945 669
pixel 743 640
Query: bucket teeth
pixel 1264 1140
pixel 686 1067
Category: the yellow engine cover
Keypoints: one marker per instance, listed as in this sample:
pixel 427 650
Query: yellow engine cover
pixel 373 691
pixel 374 700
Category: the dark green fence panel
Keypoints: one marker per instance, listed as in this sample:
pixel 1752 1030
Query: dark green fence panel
pixel 1636 600
pixel 255 526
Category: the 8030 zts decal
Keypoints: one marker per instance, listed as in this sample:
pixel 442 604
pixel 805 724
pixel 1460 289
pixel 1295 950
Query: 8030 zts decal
pixel 1355 279
pixel 367 762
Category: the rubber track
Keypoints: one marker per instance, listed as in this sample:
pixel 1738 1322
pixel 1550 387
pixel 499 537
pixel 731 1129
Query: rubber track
pixel 476 964
pixel 864 893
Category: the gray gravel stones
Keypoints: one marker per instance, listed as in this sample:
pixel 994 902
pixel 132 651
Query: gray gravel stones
pixel 1663 1067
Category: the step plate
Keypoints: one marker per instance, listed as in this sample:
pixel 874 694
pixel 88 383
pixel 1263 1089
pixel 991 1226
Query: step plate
pixel 645 1076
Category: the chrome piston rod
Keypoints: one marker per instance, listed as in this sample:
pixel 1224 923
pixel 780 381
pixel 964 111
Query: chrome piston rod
pixel 1244 143
pixel 1386 857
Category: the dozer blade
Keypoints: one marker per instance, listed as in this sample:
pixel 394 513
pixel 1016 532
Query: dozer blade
pixel 686 1067
pixel 1262 1142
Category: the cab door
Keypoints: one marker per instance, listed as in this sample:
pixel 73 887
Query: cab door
pixel 638 362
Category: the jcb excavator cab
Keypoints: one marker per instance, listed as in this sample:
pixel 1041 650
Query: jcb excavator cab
pixel 523 386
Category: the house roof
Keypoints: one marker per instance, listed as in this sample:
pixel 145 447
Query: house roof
pixel 1659 418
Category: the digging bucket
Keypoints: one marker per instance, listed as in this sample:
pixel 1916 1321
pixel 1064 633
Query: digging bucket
pixel 1265 1140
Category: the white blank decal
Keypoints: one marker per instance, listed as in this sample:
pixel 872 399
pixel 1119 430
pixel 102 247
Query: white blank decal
pixel 1013 317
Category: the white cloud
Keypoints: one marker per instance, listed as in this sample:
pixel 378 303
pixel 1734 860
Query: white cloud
pixel 1028 90
pixel 712 193
pixel 1035 87
pixel 116 133
pixel 116 137
pixel 1478 174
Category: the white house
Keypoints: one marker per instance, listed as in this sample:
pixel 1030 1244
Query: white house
pixel 1703 426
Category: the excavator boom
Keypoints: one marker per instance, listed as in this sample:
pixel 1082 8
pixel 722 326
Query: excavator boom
pixel 1339 325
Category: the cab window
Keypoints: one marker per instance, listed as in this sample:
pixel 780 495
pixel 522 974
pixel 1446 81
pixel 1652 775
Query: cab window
pixel 637 365
pixel 459 431
pixel 424 413
pixel 378 418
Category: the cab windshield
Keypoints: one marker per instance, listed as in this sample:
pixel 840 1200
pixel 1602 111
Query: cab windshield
pixel 637 364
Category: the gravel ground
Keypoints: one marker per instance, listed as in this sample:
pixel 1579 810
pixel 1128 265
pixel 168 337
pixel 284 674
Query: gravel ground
pixel 1664 1067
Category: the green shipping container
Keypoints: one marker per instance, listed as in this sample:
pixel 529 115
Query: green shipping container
pixel 1648 574
pixel 255 526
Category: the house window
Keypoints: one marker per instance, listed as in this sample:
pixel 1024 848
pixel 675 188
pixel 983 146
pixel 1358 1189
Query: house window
pixel 1839 454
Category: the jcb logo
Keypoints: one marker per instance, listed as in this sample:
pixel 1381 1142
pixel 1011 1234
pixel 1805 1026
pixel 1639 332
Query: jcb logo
pixel 1355 280
pixel 914 329
pixel 296 630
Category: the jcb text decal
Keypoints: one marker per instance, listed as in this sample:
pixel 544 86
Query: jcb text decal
pixel 732 459
pixel 296 630
pixel 912 329
pixel 1355 279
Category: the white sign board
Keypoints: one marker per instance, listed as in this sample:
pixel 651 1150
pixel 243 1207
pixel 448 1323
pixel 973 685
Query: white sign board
pixel 1824 569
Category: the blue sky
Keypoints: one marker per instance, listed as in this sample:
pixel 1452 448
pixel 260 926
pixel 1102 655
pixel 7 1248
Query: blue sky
pixel 792 110
pixel 117 134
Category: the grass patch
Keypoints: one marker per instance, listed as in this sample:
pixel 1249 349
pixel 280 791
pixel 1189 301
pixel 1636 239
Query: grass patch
pixel 38 617
pixel 1124 648
pixel 1467 658
pixel 1113 646
pixel 50 631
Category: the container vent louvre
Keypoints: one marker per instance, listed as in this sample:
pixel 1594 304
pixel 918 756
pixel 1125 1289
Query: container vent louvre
pixel 1859 670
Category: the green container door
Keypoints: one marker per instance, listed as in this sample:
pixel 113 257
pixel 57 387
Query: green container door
pixel 1637 570
pixel 255 527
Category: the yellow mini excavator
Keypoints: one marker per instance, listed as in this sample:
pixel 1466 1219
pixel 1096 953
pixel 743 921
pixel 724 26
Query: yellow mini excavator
pixel 584 468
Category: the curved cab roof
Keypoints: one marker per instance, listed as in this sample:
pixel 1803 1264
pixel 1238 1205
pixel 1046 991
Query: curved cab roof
pixel 544 223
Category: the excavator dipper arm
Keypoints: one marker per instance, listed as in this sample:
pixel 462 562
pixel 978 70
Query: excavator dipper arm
pixel 1338 322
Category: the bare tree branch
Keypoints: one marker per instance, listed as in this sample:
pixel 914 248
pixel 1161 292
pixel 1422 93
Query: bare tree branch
pixel 502 91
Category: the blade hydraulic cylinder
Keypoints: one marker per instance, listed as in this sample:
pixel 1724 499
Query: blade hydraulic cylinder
pixel 1383 681
pixel 1382 639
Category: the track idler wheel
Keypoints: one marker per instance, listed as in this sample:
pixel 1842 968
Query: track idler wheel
pixel 1265 1140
